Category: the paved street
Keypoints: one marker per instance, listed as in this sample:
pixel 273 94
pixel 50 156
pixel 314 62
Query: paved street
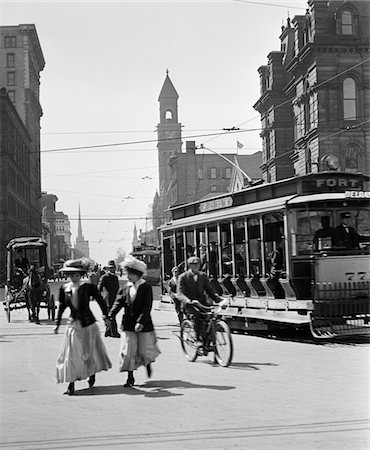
pixel 277 394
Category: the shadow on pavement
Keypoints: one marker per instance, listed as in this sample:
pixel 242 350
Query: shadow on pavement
pixel 158 388
pixel 249 365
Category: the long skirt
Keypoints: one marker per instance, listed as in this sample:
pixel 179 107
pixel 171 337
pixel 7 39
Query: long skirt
pixel 83 353
pixel 137 349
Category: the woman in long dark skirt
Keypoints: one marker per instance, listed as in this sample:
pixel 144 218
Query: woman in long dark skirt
pixel 138 340
pixel 83 353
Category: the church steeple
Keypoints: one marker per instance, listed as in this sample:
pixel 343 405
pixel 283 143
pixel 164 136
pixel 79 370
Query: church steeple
pixel 80 236
pixel 168 102
pixel 82 246
pixel 169 141
pixel 135 241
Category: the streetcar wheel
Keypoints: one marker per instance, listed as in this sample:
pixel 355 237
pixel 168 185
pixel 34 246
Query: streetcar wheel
pixel 223 344
pixel 189 340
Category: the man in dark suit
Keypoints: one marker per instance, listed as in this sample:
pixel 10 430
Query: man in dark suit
pixel 192 286
pixel 108 285
pixel 344 235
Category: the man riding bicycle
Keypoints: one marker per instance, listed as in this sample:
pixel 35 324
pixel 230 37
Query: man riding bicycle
pixel 192 287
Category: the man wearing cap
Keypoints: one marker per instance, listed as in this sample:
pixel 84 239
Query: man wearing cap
pixel 109 284
pixel 172 285
pixel 193 285
pixel 344 235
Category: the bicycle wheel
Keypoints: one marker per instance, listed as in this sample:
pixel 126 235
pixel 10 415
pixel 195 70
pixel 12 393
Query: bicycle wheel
pixel 223 344
pixel 189 340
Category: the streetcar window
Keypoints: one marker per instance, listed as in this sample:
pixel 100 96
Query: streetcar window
pixel 190 244
pixel 213 251
pixel 274 241
pixel 202 248
pixel 169 256
pixel 179 250
pixel 308 222
pixel 227 257
pixel 239 248
pixel 254 237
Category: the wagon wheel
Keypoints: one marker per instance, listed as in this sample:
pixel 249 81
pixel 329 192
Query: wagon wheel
pixel 7 303
pixel 51 308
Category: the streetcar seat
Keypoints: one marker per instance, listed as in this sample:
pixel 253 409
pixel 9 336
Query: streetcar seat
pixel 242 285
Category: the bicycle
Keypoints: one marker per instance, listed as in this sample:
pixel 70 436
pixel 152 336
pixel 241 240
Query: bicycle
pixel 215 337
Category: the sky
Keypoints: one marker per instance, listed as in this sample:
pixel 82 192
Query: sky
pixel 105 64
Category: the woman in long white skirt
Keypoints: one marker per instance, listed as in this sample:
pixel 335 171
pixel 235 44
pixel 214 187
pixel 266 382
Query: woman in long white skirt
pixel 83 353
pixel 138 341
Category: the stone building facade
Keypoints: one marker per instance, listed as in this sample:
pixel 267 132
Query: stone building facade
pixel 21 61
pixel 15 178
pixel 315 93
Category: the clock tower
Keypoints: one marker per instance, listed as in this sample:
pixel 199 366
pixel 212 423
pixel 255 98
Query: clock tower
pixel 169 140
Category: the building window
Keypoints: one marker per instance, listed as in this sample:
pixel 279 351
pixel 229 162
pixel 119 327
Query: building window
pixel 347 23
pixel 10 79
pixel 228 173
pixel 213 188
pixel 313 111
pixel 168 114
pixel 352 158
pixel 11 95
pixel 213 173
pixel 10 41
pixel 200 174
pixel 10 60
pixel 349 99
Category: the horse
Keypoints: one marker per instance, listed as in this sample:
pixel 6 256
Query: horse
pixel 34 287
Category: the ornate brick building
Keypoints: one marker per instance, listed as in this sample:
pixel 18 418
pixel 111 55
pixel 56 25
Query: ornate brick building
pixel 187 176
pixel 315 93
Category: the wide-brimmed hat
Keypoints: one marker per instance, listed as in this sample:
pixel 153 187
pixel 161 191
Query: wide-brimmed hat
pixel 193 260
pixel 111 264
pixel 74 265
pixel 135 264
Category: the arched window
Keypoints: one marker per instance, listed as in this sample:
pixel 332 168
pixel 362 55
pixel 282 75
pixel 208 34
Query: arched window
pixel 349 99
pixel 347 23
pixel 168 114
pixel 352 158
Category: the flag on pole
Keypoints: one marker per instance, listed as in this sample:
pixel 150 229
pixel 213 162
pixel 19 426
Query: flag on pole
pixel 239 145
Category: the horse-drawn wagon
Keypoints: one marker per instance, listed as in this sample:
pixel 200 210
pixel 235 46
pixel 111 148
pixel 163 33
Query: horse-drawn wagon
pixel 27 278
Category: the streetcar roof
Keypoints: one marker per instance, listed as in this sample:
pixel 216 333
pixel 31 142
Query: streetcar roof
pixel 249 208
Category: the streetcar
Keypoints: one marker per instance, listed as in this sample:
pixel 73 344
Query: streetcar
pixel 151 256
pixel 265 251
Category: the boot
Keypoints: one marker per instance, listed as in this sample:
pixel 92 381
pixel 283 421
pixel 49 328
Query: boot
pixel 71 389
pixel 130 379
pixel 149 370
pixel 91 380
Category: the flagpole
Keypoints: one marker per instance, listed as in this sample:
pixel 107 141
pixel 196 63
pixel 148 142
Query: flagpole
pixel 230 162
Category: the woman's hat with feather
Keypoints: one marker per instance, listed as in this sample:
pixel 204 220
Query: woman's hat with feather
pixel 134 264
pixel 76 265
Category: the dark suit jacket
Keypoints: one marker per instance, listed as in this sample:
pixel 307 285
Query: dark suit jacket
pixel 110 282
pixel 85 293
pixel 195 290
pixel 137 311
pixel 348 240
